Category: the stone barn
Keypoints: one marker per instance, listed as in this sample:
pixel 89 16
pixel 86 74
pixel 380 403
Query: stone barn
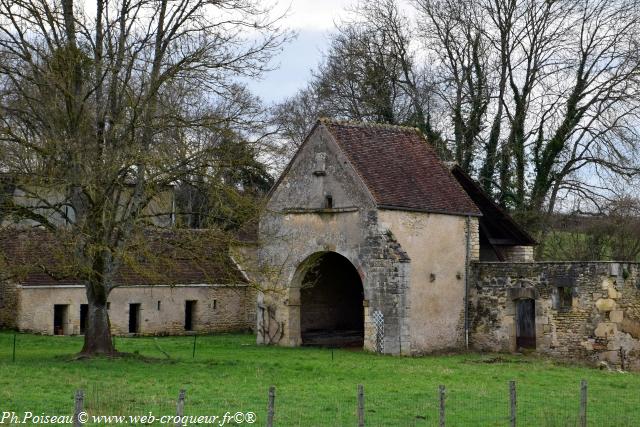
pixel 367 240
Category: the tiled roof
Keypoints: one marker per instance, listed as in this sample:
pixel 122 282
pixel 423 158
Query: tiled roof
pixel 400 168
pixel 37 258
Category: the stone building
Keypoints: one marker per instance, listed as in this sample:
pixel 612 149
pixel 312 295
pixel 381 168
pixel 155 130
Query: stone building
pixel 369 239
pixel 48 203
pixel 175 295
pixel 186 293
pixel 570 310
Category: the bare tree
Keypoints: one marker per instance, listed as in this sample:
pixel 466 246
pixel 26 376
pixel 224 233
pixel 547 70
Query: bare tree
pixel 536 98
pixel 461 62
pixel 103 109
pixel 542 95
pixel 370 73
pixel 294 117
pixel 622 227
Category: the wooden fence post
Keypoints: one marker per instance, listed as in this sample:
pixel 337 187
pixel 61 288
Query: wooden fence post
pixel 583 403
pixel 360 405
pixel 442 398
pixel 271 406
pixel 79 404
pixel 180 407
pixel 512 399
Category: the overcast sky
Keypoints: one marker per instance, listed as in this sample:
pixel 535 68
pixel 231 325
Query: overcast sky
pixel 313 20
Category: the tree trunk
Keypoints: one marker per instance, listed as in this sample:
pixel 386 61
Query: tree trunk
pixel 505 176
pixel 97 336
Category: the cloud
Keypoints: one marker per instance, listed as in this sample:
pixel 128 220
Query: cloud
pixel 316 14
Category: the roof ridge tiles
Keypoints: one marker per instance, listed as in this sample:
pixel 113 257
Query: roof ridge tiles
pixel 330 121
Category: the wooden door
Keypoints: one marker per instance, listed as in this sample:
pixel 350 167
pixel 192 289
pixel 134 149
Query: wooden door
pixel 526 323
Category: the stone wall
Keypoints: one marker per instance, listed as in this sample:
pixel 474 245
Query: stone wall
pixel 9 302
pixel 218 308
pixel 436 246
pixel 586 310
pixel 374 252
pixel 387 275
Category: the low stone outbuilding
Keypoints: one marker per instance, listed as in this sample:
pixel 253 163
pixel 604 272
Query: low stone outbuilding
pixel 183 294
pixel 368 239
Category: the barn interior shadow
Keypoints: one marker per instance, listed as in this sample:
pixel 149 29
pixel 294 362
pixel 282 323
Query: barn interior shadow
pixel 331 311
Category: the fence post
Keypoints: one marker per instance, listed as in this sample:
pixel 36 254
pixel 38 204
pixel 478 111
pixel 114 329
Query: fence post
pixel 180 407
pixel 271 406
pixel 79 405
pixel 193 356
pixel 442 398
pixel 360 405
pixel 512 399
pixel 583 403
pixel 13 357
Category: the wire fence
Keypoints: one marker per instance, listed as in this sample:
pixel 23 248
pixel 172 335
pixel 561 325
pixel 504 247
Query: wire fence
pixel 338 402
pixel 440 408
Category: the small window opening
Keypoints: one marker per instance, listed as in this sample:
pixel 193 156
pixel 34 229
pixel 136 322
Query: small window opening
pixel 565 298
pixel 215 304
pixel 328 202
pixel 159 304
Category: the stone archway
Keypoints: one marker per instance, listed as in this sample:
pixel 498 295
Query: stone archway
pixel 331 302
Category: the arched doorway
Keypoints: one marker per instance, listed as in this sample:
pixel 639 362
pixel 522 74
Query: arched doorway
pixel 331 302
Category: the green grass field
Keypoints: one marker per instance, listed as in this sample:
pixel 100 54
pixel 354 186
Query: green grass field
pixel 230 373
